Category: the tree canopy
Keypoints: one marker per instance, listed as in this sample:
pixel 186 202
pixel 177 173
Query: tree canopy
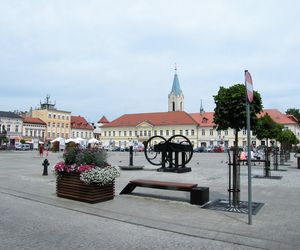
pixel 287 138
pixel 295 112
pixel 266 128
pixel 230 110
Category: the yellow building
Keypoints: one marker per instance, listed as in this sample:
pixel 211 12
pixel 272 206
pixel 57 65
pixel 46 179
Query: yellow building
pixel 58 121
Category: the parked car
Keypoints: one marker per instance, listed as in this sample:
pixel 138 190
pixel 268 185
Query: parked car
pixel 200 149
pixel 218 149
pixel 22 146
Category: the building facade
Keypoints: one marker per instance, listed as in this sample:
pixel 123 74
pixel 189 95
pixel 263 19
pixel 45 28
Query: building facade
pixel 11 126
pixel 81 128
pixel 34 129
pixel 58 121
pixel 199 127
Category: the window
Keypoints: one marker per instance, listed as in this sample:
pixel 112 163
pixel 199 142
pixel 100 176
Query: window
pixel 244 131
pixel 186 132
pixel 141 133
pixel 219 132
pixel 211 132
pixel 49 124
pixel 17 128
pixel 73 134
pixel 58 124
pixel 125 133
pixel 90 134
pixel 48 134
pixel 53 124
pixel 203 131
pixel 119 133
pixel 192 132
pixel 104 133
pixel 180 131
pixel 81 134
pixel 86 134
pixel 58 116
pixel 53 135
pixel 57 134
pixel 8 128
pixel 161 132
pixel 54 116
pixel 167 132
pixel 145 132
pixel 114 133
pixel 136 133
pixel 109 133
pixel 77 134
pixel 155 132
pixel 62 125
pixel 49 115
pixel 226 132
pixel 130 133
pixel 67 125
pixel 26 132
pixel 173 132
pixel 67 135
pixel 149 133
pixel 63 117
pixel 62 135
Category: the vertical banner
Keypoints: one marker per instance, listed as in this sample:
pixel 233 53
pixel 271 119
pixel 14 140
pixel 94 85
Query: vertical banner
pixel 249 99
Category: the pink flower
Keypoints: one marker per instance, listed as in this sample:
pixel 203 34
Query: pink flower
pixel 83 168
pixel 59 167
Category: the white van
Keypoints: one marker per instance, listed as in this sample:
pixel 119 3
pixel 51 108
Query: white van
pixel 25 147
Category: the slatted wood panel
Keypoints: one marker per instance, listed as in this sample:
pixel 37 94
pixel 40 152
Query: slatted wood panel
pixel 70 186
pixel 164 184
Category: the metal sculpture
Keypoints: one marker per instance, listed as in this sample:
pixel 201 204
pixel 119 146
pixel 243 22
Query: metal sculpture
pixel 161 152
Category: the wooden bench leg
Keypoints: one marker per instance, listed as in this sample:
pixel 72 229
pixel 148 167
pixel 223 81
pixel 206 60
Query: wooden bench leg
pixel 128 189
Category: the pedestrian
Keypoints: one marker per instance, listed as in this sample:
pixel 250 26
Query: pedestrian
pixel 41 150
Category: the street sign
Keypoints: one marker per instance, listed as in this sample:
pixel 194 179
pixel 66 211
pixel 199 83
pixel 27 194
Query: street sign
pixel 249 86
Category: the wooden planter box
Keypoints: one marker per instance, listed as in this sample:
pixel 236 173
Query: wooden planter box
pixel 70 186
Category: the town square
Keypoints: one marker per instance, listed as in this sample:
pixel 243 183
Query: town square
pixel 149 124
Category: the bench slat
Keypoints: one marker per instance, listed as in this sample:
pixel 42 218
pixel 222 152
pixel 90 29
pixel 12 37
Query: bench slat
pixel 164 184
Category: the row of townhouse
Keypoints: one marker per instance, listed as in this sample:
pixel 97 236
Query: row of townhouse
pixel 199 128
pixel 43 124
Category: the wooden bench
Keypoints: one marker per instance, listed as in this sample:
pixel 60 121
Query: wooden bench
pixel 199 195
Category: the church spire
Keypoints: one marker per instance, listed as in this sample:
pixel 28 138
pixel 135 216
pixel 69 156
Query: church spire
pixel 201 109
pixel 176 86
pixel 176 98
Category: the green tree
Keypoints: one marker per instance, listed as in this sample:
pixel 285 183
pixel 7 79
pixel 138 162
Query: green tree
pixel 230 110
pixel 266 128
pixel 287 138
pixel 295 112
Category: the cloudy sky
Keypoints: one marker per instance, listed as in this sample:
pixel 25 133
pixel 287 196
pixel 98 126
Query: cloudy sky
pixel 109 58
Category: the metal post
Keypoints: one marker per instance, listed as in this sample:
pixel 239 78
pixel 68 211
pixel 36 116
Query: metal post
pixel 131 156
pixel 249 166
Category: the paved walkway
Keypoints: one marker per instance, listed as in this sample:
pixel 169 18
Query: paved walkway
pixel 33 217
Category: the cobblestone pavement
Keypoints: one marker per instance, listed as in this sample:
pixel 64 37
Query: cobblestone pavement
pixel 32 217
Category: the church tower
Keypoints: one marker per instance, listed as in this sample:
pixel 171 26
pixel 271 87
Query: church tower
pixel 176 98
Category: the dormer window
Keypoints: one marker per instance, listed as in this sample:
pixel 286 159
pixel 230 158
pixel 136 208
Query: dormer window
pixel 204 120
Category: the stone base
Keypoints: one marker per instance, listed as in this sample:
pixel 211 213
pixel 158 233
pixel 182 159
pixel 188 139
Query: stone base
pixel 133 167
pixel 175 170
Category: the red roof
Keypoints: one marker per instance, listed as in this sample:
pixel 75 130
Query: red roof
pixel 156 119
pixel 204 120
pixel 279 117
pixel 33 120
pixel 78 122
pixel 103 120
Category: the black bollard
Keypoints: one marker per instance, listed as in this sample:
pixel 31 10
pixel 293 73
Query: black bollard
pixel 45 164
pixel 131 156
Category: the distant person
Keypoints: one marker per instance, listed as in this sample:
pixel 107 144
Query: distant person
pixel 41 150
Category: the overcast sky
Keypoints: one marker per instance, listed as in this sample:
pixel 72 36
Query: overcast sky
pixel 111 58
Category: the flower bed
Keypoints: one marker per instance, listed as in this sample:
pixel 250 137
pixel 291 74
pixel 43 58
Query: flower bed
pixel 85 175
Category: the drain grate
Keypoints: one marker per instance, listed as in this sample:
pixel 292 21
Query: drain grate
pixel 224 205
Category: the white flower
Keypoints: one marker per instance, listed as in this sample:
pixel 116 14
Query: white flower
pixel 100 176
